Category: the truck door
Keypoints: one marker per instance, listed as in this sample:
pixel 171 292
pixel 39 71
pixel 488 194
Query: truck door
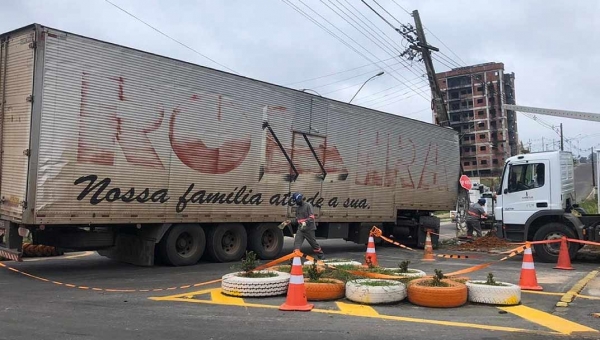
pixel 525 191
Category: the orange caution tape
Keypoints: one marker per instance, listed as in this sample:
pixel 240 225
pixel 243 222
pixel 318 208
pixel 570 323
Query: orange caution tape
pixel 275 262
pixel 513 252
pixel 355 272
pixel 376 232
pixel 583 242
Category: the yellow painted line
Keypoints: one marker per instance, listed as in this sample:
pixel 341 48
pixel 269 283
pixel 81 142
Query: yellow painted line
pixel 560 294
pixel 184 295
pixel 578 287
pixel 547 320
pixel 348 311
pixel 359 310
pixel 217 297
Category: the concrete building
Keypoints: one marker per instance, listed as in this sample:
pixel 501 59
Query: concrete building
pixel 488 134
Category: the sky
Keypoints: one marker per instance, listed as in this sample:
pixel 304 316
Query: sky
pixel 331 47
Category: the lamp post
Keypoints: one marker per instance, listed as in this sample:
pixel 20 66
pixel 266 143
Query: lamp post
pixel 377 75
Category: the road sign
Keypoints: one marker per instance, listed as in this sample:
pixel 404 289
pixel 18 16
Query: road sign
pixel 465 182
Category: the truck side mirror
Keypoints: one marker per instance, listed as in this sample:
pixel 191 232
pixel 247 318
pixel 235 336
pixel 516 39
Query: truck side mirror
pixel 505 191
pixel 481 189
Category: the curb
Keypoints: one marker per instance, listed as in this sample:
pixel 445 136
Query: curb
pixel 569 296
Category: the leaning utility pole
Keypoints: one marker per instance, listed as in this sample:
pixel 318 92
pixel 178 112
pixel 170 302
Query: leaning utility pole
pixel 442 117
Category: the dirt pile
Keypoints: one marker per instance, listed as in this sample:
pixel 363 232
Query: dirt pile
pixel 486 243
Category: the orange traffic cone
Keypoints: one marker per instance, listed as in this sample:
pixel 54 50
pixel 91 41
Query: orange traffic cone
pixel 564 259
pixel 428 249
pixel 528 280
pixel 296 295
pixel 371 256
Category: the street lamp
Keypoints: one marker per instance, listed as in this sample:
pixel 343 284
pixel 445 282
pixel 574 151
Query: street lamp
pixel 377 75
pixel 311 90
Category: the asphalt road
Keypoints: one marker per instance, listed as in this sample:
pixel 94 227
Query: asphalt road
pixel 583 181
pixel 31 308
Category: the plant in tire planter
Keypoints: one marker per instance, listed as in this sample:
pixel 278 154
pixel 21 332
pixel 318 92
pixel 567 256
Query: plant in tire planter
pixel 322 289
pixel 375 291
pixel 493 292
pixel 249 282
pixel 437 292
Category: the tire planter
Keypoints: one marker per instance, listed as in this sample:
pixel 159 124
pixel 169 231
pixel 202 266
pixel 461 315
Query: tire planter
pixel 357 292
pixel 321 291
pixel 235 285
pixel 506 295
pixel 416 273
pixel 438 297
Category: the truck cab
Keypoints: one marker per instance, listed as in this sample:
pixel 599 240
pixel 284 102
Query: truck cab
pixel 536 201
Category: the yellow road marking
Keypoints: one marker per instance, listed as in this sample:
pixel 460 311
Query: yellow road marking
pixel 560 294
pixel 359 310
pixel 553 322
pixel 345 309
pixel 578 287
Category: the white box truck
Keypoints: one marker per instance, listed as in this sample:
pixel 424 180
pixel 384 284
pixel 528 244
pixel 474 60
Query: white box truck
pixel 139 156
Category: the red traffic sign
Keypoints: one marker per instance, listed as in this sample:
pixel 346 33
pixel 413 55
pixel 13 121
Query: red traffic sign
pixel 465 182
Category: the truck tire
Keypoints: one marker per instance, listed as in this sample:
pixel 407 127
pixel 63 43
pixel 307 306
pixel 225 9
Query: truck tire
pixel 266 240
pixel 182 245
pixel 226 242
pixel 549 252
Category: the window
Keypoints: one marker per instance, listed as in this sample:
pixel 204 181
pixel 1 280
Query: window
pixel 482 136
pixel 481 124
pixel 480 113
pixel 480 89
pixel 463 92
pixel 526 177
pixel 454 95
pixel 455 106
pixel 482 148
pixel 467 163
pixel 483 162
pixel 474 163
pixel 479 101
pixel 494 161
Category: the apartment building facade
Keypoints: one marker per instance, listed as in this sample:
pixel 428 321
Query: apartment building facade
pixel 474 96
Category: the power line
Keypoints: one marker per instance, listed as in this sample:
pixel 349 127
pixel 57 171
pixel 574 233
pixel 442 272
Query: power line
pixel 166 35
pixel 389 88
pixel 360 31
pixel 337 37
pixel 356 76
pixel 440 40
pixel 392 95
pixel 335 73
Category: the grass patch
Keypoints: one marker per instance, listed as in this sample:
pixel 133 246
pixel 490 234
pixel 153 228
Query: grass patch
pixel 432 283
pixel 256 275
pixel 376 283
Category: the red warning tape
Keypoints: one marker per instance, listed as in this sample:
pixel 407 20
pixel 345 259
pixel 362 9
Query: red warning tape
pixel 583 242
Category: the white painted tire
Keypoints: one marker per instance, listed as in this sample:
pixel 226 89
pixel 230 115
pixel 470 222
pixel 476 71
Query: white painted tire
pixel 234 285
pixel 371 295
pixel 494 295
pixel 341 263
pixel 418 273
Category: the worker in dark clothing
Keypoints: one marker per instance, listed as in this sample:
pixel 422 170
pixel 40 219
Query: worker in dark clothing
pixel 474 215
pixel 305 221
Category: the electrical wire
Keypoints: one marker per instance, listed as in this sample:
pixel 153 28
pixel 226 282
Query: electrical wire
pixel 168 36
pixel 390 95
pixel 360 31
pixel 337 37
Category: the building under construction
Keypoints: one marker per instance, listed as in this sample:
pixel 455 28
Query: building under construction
pixel 474 96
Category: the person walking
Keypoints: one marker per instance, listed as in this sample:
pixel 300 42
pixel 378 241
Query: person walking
pixel 474 215
pixel 305 222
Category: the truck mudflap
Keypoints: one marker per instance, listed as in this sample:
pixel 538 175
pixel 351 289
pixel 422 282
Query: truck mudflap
pixel 11 254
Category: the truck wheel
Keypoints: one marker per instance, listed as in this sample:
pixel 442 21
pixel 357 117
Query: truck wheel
pixel 226 242
pixel 549 252
pixel 266 240
pixel 182 245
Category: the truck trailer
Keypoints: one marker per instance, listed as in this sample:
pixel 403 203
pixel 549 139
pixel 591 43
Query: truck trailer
pixel 143 157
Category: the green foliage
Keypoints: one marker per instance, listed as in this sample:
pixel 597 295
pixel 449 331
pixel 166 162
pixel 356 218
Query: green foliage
pixel 375 283
pixel 249 262
pixel 403 266
pixel 313 272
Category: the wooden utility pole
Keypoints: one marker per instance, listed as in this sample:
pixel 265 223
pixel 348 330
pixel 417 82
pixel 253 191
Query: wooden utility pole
pixel 437 101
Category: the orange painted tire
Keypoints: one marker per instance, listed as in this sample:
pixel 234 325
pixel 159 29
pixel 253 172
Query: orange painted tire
pixel 318 291
pixel 438 297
